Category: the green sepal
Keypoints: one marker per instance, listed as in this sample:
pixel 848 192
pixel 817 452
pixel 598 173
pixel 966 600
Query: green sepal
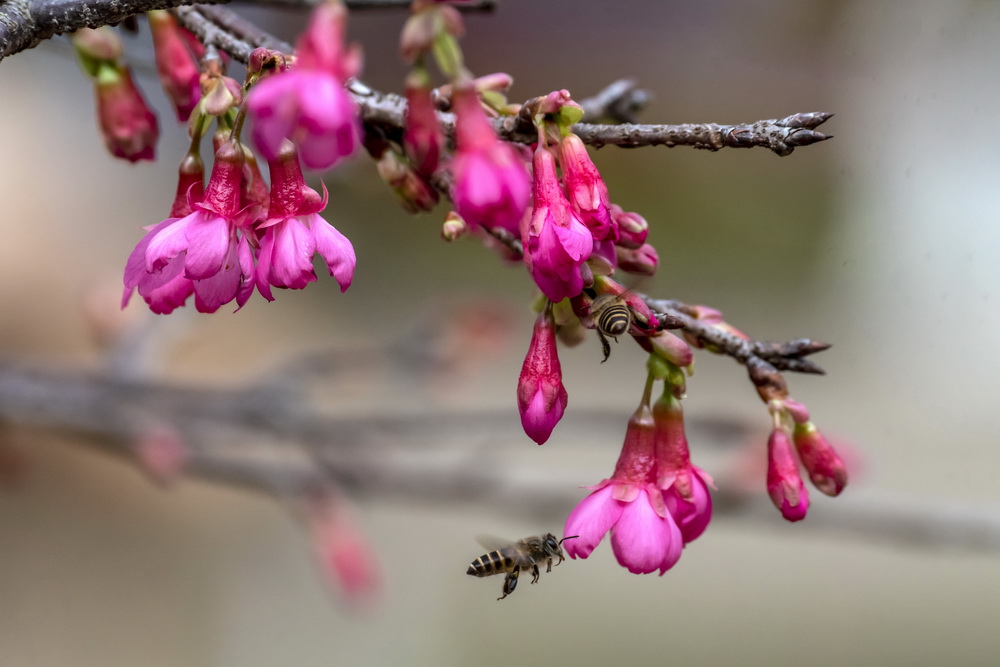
pixel 448 55
pixel 659 367
pixel 568 116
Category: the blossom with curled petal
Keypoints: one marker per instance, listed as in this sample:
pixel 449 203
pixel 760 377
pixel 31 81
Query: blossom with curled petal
pixel 644 535
pixel 294 232
pixel 491 186
pixel 205 252
pixel 556 242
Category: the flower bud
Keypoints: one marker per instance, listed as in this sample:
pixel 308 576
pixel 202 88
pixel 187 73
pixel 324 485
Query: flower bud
pixel 176 65
pixel 632 228
pixel 826 469
pixel 642 262
pixel 454 227
pixel 784 484
pixel 541 396
pixel 672 348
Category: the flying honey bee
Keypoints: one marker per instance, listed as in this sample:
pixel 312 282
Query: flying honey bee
pixel 526 554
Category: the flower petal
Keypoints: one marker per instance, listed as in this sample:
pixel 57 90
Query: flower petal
pixel 590 520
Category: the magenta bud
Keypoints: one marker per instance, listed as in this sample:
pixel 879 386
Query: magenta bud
pixel 643 261
pixel 541 396
pixel 176 65
pixel 825 467
pixel 632 228
pixel 784 483
pixel 129 127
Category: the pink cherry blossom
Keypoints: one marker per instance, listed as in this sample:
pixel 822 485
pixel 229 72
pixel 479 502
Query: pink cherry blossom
pixel 294 232
pixel 556 242
pixel 308 103
pixel 644 535
pixel 585 189
pixel 684 486
pixel 491 185
pixel 784 484
pixel 205 252
pixel 541 396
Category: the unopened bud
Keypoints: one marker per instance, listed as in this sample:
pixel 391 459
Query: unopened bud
pixel 826 469
pixel 672 348
pixel 643 261
pixel 454 227
pixel 632 228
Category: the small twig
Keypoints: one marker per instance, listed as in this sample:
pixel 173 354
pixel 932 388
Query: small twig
pixel 620 102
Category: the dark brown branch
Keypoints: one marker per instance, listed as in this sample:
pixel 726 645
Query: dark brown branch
pixel 26 23
pixel 761 354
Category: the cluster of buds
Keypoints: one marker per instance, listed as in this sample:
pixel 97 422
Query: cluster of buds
pixel 656 501
pixel 794 433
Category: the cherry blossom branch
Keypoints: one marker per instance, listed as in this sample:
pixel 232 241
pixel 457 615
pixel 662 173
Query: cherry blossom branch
pixel 24 24
pixel 266 441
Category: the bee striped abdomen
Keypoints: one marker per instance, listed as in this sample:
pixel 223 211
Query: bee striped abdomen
pixel 615 320
pixel 494 562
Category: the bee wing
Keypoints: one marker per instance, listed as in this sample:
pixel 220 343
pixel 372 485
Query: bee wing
pixel 493 543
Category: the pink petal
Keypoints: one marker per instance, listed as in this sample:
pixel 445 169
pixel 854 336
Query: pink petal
pixel 590 520
pixel 335 249
pixel 291 258
pixel 167 241
pixel 641 539
pixel 208 238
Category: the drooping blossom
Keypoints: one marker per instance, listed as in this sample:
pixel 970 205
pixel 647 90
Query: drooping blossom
pixel 644 535
pixel 207 247
pixel 294 232
pixel 541 396
pixel 491 185
pixel 555 240
pixel 308 103
pixel 167 289
pixel 175 63
pixel 585 189
pixel 684 486
pixel 129 127
pixel 784 483
pixel 825 467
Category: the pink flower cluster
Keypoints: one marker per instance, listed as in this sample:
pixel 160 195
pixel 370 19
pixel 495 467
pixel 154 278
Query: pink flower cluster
pixel 221 245
pixel 825 467
pixel 655 502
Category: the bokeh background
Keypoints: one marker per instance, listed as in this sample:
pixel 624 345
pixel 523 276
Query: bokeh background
pixel 883 241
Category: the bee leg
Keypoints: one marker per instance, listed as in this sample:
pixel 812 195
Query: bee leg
pixel 605 346
pixel 510 582
pixel 549 568
pixel 535 575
